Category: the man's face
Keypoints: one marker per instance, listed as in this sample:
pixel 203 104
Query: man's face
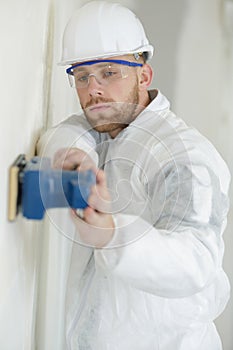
pixel 110 108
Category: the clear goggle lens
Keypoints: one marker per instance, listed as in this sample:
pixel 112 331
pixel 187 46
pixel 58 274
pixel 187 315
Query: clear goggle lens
pixel 103 75
pixel 105 72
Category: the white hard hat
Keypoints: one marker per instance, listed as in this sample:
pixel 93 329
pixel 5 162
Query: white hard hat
pixel 101 29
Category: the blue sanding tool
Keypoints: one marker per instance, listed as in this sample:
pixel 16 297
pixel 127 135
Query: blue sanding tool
pixel 35 187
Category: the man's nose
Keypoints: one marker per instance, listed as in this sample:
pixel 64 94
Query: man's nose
pixel 94 87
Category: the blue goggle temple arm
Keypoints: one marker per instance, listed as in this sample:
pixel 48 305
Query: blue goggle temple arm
pixel 90 63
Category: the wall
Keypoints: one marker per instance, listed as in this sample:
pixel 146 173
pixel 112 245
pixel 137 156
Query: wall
pixel 27 49
pixel 23 38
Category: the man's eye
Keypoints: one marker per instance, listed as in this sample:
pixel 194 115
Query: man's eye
pixel 82 78
pixel 110 73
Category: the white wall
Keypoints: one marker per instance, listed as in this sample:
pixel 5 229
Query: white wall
pixel 23 38
pixel 193 66
pixel 28 36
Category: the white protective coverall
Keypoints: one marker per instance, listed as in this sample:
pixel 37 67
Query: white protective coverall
pixel 159 283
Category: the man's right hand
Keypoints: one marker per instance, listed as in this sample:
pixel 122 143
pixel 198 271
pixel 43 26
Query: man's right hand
pixel 96 228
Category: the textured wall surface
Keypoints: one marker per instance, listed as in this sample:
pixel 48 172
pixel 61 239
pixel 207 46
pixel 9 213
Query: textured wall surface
pixel 29 30
pixel 23 103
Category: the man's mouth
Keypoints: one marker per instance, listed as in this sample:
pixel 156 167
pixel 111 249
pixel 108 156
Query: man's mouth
pixel 99 107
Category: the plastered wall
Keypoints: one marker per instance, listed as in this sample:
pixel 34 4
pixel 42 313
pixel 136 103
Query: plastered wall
pixel 193 65
pixel 23 38
pixel 28 33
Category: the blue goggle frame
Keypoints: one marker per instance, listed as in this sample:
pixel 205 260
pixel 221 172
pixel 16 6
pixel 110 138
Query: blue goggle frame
pixel 90 63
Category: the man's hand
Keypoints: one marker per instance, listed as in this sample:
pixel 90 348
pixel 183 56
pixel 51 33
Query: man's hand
pixel 96 228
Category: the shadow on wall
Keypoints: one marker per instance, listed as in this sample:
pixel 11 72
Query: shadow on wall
pixel 163 23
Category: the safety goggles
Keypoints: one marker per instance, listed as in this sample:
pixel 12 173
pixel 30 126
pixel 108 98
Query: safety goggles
pixel 105 72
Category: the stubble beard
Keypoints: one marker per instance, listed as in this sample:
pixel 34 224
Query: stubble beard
pixel 118 116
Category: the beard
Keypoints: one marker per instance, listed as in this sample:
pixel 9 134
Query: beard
pixel 112 115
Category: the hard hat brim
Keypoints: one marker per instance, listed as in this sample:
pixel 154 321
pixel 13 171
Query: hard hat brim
pixel 148 48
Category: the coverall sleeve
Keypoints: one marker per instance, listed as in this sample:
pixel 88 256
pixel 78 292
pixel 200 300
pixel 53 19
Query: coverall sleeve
pixel 68 134
pixel 180 252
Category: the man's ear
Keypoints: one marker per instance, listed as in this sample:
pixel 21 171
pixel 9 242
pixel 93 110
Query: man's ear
pixel 146 76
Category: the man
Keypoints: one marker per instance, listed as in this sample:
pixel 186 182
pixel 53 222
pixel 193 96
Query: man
pixel 147 270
